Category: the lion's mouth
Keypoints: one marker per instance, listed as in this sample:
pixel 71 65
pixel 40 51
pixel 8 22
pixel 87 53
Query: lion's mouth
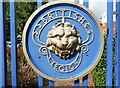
pixel 64 54
pixel 68 46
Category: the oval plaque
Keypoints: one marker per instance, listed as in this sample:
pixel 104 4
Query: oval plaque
pixel 62 41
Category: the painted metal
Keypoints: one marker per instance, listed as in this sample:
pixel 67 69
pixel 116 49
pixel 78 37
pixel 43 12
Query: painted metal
pixel 76 84
pixel 51 83
pixel 117 56
pixel 42 57
pixel 85 79
pixel 39 3
pixel 109 43
pixel 77 1
pixel 40 81
pixel 3 63
pixel 14 51
pixel 13 42
pixel 86 3
pixel 50 0
pixel 40 78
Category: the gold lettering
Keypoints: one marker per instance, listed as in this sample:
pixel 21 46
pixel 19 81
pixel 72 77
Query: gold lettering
pixel 56 66
pixel 72 66
pixel 76 16
pixel 56 13
pixel 44 20
pixel 62 68
pixel 53 63
pixel 76 63
pixel 63 12
pixel 50 16
pixel 67 66
pixel 70 13
pixel 86 25
pixel 82 20
pixel 39 25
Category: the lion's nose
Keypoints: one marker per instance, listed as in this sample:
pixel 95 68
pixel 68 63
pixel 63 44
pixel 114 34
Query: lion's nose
pixel 64 42
pixel 64 45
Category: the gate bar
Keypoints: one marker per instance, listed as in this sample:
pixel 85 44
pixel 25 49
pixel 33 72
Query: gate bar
pixel 39 3
pixel 50 0
pixel 85 79
pixel 109 43
pixel 76 84
pixel 77 1
pixel 117 59
pixel 51 83
pixel 3 61
pixel 40 78
pixel 13 42
pixel 86 3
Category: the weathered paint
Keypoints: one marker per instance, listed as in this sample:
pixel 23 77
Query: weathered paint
pixel 13 38
pixel 117 56
pixel 109 43
pixel 3 63
pixel 40 78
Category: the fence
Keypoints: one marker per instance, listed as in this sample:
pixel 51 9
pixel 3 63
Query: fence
pixel 109 64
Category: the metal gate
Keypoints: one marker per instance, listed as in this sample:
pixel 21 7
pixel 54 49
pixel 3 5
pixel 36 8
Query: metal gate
pixel 13 33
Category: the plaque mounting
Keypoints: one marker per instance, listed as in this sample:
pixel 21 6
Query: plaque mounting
pixel 62 41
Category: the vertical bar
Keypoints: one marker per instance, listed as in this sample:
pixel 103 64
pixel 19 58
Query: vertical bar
pixel 51 84
pixel 117 58
pixel 3 62
pixel 40 78
pixel 76 84
pixel 77 1
pixel 109 43
pixel 39 3
pixel 13 43
pixel 40 81
pixel 85 81
pixel 50 0
pixel 86 3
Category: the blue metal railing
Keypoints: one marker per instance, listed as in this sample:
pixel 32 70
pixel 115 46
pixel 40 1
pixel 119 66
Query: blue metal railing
pixel 85 79
pixel 3 62
pixel 109 43
pixel 40 78
pixel 117 56
pixel 109 68
pixel 13 36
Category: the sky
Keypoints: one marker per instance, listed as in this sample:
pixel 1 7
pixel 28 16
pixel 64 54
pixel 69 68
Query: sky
pixel 98 7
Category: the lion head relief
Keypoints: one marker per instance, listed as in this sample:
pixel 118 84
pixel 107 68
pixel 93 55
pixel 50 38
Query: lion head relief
pixel 63 39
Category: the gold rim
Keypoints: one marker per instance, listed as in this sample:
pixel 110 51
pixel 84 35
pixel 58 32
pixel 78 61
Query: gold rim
pixel 24 40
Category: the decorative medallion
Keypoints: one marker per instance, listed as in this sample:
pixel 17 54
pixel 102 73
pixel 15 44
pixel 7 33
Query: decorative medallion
pixel 62 41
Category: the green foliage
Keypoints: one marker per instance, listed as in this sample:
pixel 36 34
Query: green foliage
pixel 23 12
pixel 99 73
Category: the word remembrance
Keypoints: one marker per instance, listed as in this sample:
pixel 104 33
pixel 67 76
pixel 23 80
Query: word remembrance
pixel 62 41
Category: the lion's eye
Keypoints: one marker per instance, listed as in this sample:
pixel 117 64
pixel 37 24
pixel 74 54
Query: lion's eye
pixel 57 36
pixel 70 37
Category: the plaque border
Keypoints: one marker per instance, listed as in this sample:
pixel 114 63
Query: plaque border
pixel 24 40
